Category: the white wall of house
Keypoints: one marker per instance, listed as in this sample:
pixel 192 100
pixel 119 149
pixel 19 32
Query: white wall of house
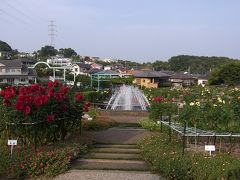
pixel 60 61
pixel 202 81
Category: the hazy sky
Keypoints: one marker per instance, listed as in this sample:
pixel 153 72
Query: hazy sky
pixel 140 30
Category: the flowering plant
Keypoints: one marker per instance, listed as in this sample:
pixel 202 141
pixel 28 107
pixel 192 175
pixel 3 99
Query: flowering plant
pixel 51 108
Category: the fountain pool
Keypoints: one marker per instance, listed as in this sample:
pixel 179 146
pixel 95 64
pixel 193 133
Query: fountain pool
pixel 128 98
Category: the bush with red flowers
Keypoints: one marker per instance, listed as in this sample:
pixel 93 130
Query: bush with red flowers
pixel 40 113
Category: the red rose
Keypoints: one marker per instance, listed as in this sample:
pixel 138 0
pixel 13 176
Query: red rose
pixel 65 89
pixel 51 92
pixel 50 84
pixel 88 104
pixel 50 118
pixel 38 101
pixel 86 109
pixel 45 99
pixel 6 102
pixel 158 99
pixel 79 97
pixel 27 110
pixel 59 96
pixel 55 83
pixel 20 105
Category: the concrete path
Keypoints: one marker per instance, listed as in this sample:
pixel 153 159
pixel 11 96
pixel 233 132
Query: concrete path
pixel 115 156
pixel 107 175
pixel 121 135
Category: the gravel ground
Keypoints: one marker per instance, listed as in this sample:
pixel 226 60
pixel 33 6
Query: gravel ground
pixel 107 175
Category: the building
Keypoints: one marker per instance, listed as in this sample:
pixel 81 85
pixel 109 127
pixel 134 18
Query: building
pixel 151 79
pixel 203 79
pixel 96 66
pixel 80 68
pixel 15 72
pixel 182 80
pixel 59 61
pixel 106 74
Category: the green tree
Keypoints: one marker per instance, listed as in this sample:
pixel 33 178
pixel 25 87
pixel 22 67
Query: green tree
pixel 5 46
pixel 228 74
pixel 67 52
pixel 196 64
pixel 46 52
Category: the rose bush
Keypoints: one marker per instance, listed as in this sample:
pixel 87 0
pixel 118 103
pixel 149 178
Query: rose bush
pixel 40 113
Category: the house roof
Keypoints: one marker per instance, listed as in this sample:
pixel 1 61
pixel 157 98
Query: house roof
pixel 182 76
pixel 11 63
pixel 107 72
pixel 151 74
pixel 85 66
pixel 93 71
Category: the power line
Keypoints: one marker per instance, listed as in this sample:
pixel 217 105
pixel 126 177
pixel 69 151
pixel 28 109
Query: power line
pixel 16 9
pixel 52 32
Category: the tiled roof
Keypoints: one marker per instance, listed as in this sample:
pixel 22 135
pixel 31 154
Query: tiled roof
pixel 152 74
pixel 182 76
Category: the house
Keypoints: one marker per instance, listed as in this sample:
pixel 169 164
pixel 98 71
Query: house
pixel 203 79
pixel 80 68
pixel 59 61
pixel 107 67
pixel 105 74
pixel 15 72
pixel 96 66
pixel 182 80
pixel 151 79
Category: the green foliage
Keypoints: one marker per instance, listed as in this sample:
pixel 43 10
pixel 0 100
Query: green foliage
pixel 166 159
pixel 161 65
pixel 47 161
pixel 150 124
pixel 98 124
pixel 5 47
pixel 228 74
pixel 196 64
pixel 46 52
pixel 67 52
pixel 97 96
pixel 127 80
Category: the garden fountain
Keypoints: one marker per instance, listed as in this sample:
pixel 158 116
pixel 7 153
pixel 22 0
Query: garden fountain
pixel 128 98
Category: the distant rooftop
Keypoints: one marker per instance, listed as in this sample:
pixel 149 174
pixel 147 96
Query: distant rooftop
pixel 151 74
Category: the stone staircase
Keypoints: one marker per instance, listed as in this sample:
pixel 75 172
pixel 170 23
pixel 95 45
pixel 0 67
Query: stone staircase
pixel 112 157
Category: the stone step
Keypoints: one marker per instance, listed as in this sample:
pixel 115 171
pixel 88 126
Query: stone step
pixel 103 164
pixel 124 156
pixel 116 150
pixel 131 146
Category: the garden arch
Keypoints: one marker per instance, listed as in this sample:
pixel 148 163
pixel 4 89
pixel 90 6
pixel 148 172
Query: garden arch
pixel 54 69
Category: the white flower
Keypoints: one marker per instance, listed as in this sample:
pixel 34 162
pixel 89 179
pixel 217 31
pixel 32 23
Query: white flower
pixel 219 100
pixel 198 103
pixel 191 104
pixel 158 122
pixel 214 105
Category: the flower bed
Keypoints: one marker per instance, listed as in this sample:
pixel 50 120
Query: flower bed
pixel 166 158
pixel 40 113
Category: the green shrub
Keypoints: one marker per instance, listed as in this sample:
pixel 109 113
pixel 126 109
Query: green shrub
pixel 46 161
pixel 166 158
pixel 98 124
pixel 150 124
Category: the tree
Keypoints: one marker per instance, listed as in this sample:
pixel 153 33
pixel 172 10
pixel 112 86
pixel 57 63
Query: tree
pixel 196 64
pixel 228 74
pixel 46 52
pixel 160 65
pixel 5 47
pixel 67 52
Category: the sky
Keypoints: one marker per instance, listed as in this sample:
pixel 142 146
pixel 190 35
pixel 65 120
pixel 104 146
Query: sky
pixel 138 30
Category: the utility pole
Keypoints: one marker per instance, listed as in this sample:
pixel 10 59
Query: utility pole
pixel 52 32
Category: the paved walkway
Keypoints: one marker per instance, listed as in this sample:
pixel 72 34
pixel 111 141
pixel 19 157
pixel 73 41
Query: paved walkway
pixel 121 135
pixel 115 152
pixel 107 175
